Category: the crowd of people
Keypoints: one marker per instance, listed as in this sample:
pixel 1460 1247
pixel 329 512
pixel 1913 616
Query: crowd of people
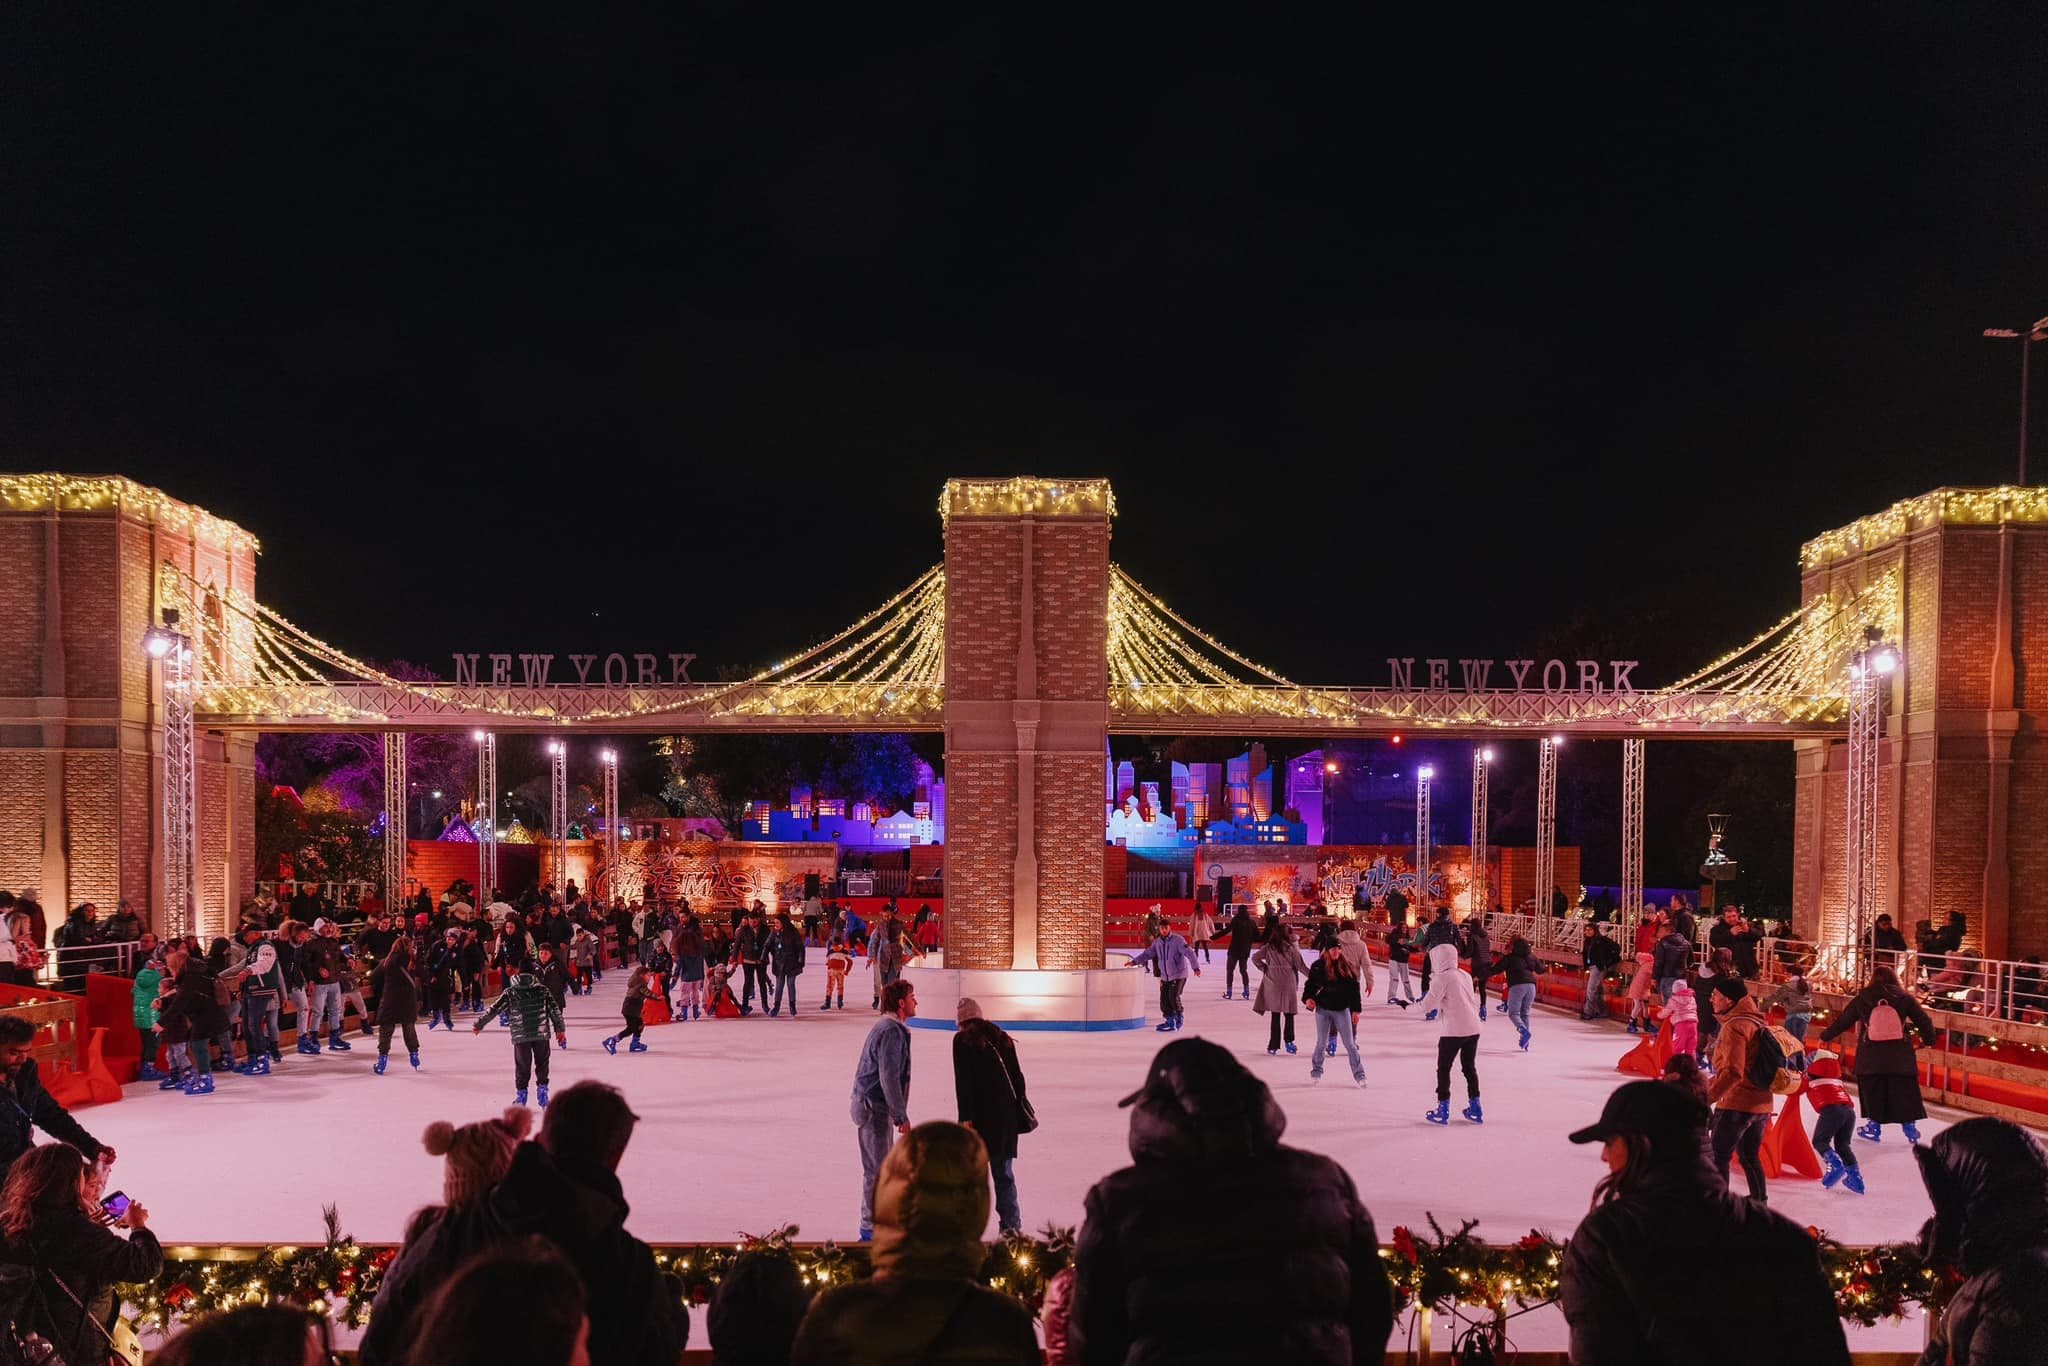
pixel 527 1258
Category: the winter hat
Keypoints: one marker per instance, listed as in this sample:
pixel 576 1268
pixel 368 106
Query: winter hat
pixel 478 1154
pixel 1734 988
pixel 320 926
pixel 967 1009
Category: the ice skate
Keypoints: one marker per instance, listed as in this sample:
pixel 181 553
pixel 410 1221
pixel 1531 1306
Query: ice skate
pixel 1832 1169
pixel 337 1044
pixel 381 1063
pixel 542 1096
pixel 636 1047
pixel 611 1045
pixel 415 1058
pixel 1290 1045
pixel 1853 1180
pixel 201 1086
pixel 1473 1112
pixel 1440 1115
pixel 1871 1130
pixel 1912 1132
pixel 519 1096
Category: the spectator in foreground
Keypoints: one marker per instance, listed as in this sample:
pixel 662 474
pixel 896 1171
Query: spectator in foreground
pixel 253 1335
pixel 1662 1217
pixel 881 1092
pixel 520 1301
pixel 923 1302
pixel 756 1311
pixel 1988 1180
pixel 565 1189
pixel 1306 1283
pixel 51 1226
pixel 24 1104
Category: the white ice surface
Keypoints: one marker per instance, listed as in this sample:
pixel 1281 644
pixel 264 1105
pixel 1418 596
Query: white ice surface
pixel 744 1127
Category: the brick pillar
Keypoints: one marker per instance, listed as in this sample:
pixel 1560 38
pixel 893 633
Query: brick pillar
pixel 1963 799
pixel 1027 717
pixel 79 772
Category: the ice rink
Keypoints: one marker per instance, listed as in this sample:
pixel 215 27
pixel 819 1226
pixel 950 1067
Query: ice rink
pixel 744 1126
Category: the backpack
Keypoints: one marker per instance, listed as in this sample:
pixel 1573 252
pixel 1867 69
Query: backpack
pixel 223 991
pixel 1767 1069
pixel 1793 1070
pixel 1882 1024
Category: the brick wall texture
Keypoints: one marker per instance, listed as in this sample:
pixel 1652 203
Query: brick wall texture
pixel 1070 607
pixel 1946 745
pixel 1068 830
pixel 981 856
pixel 984 586
pixel 21 819
pixel 21 606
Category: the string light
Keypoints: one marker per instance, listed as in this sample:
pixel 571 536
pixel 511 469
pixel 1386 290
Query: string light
pixel 99 493
pixel 2003 505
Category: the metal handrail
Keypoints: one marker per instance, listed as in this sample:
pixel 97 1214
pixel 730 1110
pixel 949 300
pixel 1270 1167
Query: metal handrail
pixel 88 958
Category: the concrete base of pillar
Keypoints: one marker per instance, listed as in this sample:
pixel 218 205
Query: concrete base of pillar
pixel 1115 997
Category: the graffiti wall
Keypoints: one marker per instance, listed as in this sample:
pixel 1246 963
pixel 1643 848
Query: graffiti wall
pixel 712 874
pixel 1336 872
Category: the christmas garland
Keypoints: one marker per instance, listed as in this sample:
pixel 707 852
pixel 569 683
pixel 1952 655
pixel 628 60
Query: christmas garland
pixel 340 1276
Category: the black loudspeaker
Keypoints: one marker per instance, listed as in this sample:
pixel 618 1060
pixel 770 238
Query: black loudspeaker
pixel 1223 891
pixel 810 885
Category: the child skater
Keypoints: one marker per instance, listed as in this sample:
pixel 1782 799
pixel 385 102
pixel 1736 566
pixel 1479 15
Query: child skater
pixel 1831 1132
pixel 1683 1011
pixel 530 1011
pixel 638 990
pixel 687 940
pixel 838 962
pixel 443 968
pixel 1451 1002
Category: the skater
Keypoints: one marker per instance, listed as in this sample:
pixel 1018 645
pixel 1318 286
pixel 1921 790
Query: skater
pixel 1794 996
pixel 1201 930
pixel 320 960
pixel 1450 1001
pixel 1682 1010
pixel 1439 931
pixel 988 1086
pixel 1479 949
pixel 888 952
pixel 749 948
pixel 1742 1109
pixel 688 941
pixel 443 972
pixel 1332 988
pixel 1243 936
pixel 1836 1119
pixel 1281 969
pixel 1669 960
pixel 718 997
pixel 1521 971
pixel 1632 1274
pixel 785 959
pixel 1600 954
pixel 1360 958
pixel 262 989
pixel 553 976
pixel 186 1013
pixel 1887 1078
pixel 1400 947
pixel 474 956
pixel 638 989
pixel 148 984
pixel 838 962
pixel 881 1093
pixel 527 1005
pixel 398 1005
pixel 583 957
pixel 1171 960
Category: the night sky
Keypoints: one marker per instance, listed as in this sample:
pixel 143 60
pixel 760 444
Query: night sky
pixel 599 334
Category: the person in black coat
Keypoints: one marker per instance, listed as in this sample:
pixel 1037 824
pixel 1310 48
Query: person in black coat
pixel 988 1087
pixel 1243 935
pixel 565 1190
pixel 1480 946
pixel 1887 1074
pixel 785 956
pixel 1988 1180
pixel 1306 1285
pixel 1669 1253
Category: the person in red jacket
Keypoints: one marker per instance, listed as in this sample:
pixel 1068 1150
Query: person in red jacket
pixel 1831 1132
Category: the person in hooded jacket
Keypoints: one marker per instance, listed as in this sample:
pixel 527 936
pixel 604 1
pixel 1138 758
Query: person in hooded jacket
pixel 1742 1109
pixel 1243 937
pixel 1281 968
pixel 1450 998
pixel 923 1300
pixel 1887 1077
pixel 1306 1282
pixel 1663 1218
pixel 1988 1181
pixel 565 1189
pixel 1479 948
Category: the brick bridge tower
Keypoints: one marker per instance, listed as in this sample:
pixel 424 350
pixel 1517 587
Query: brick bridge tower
pixel 1027 720
pixel 80 729
pixel 1963 760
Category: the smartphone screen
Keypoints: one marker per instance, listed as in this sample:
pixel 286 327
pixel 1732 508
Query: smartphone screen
pixel 116 1204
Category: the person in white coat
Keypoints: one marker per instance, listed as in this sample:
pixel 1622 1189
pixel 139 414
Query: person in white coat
pixel 1452 1002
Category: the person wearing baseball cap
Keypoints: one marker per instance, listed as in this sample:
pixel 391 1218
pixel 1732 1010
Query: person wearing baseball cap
pixel 1662 1217
pixel 1270 1221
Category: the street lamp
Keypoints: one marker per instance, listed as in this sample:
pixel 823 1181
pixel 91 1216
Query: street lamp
pixel 1422 777
pixel 487 838
pixel 2026 337
pixel 1872 662
pixel 179 794
pixel 1478 895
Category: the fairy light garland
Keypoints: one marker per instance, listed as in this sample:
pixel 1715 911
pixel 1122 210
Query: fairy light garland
pixel 101 493
pixel 340 1277
pixel 2002 505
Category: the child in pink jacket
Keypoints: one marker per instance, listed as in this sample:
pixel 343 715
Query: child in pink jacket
pixel 1683 1010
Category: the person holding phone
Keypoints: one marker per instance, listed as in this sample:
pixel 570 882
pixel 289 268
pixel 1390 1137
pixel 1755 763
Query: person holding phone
pixel 25 1105
pixel 52 1222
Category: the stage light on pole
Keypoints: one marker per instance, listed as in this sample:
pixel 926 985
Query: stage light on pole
pixel 1478 898
pixel 1422 777
pixel 487 832
pixel 1875 659
pixel 179 793
pixel 558 822
pixel 612 868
